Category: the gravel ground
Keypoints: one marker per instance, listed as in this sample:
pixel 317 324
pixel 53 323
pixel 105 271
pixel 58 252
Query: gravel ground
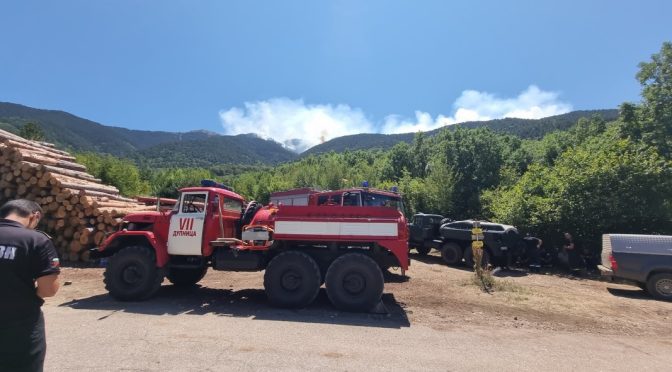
pixel 436 320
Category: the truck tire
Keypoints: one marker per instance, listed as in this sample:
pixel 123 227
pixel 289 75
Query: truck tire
pixel 469 257
pixel 660 286
pixel 132 275
pixel 185 277
pixel 422 250
pixel 451 253
pixel 292 279
pixel 354 282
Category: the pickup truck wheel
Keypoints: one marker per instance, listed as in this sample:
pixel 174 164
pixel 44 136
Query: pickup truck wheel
pixel 292 279
pixel 451 253
pixel 132 275
pixel 354 282
pixel 660 286
pixel 186 276
pixel 422 250
pixel 469 257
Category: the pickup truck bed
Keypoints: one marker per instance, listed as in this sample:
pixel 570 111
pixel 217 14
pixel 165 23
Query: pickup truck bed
pixel 643 259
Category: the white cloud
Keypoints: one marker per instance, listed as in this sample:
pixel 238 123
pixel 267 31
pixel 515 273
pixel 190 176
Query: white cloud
pixel 532 103
pixel 299 126
pixel 286 121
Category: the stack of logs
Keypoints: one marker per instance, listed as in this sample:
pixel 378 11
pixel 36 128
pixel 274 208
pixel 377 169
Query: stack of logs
pixel 79 211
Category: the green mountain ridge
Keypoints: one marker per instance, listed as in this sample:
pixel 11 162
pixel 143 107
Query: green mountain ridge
pixel 524 128
pixel 200 148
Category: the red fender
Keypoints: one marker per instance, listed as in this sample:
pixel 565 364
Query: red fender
pixel 159 246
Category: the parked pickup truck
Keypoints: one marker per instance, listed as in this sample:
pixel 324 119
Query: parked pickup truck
pixel 643 259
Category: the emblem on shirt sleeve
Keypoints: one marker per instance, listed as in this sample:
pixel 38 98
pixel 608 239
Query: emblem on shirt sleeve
pixel 55 262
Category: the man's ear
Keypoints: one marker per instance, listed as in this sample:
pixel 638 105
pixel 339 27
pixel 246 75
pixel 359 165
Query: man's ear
pixel 34 220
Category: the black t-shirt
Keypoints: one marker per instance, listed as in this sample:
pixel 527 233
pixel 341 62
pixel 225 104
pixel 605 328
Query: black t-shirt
pixel 25 255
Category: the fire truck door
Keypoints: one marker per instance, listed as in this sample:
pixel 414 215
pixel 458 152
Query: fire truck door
pixel 185 236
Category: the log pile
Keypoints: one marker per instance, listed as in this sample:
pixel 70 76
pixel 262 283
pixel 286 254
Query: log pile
pixel 79 210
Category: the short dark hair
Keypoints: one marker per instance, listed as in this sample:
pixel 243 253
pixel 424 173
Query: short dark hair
pixel 21 207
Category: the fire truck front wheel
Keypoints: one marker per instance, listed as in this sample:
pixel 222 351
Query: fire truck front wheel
pixel 132 275
pixel 354 282
pixel 292 279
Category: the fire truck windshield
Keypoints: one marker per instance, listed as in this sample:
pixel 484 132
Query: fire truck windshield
pixel 377 200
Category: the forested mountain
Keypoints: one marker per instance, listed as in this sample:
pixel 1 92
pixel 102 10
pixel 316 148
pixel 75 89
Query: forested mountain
pixel 240 149
pixel 154 148
pixel 78 134
pixel 524 128
pixel 168 149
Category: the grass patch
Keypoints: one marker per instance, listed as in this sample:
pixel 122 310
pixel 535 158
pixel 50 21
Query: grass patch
pixel 495 285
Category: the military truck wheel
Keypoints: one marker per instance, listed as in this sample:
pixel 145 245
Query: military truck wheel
pixel 469 257
pixel 132 275
pixel 354 282
pixel 660 286
pixel 451 253
pixel 422 250
pixel 292 279
pixel 185 277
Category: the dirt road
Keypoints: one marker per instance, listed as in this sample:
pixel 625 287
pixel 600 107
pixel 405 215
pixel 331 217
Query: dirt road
pixel 436 321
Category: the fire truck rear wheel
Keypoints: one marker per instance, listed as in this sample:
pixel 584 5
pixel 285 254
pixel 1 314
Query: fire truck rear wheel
pixel 292 279
pixel 354 282
pixel 186 276
pixel 451 253
pixel 132 275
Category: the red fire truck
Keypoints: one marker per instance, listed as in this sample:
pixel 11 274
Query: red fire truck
pixel 345 246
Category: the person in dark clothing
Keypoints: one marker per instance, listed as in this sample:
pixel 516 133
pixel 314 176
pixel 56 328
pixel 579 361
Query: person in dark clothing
pixel 533 252
pixel 573 254
pixel 29 269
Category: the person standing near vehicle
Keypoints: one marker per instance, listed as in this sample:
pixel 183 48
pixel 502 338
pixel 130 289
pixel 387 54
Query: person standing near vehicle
pixel 533 251
pixel 573 257
pixel 29 269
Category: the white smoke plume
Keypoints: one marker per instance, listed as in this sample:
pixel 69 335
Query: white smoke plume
pixel 299 126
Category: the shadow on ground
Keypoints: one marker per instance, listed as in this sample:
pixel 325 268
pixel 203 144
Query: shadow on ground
pixel 634 293
pixel 246 303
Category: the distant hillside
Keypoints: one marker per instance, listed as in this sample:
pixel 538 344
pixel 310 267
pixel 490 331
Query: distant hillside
pixel 524 128
pixel 159 149
pixel 204 149
pixel 78 134
pixel 240 149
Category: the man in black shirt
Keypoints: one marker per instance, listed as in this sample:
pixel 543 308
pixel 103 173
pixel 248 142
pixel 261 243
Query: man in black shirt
pixel 574 260
pixel 29 269
pixel 533 251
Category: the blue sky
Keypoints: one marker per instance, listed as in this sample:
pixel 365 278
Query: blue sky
pixel 318 69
